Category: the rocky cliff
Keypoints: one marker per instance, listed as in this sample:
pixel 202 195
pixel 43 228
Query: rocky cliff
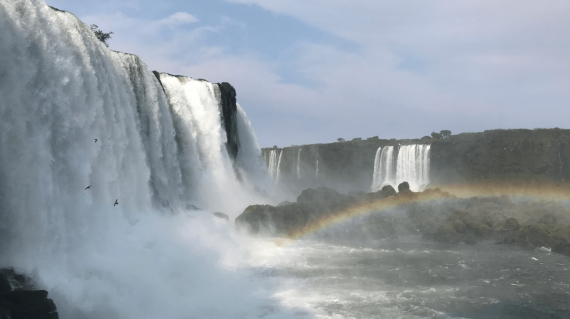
pixel 540 154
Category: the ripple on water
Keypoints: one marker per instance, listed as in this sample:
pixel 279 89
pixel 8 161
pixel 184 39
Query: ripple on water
pixel 419 279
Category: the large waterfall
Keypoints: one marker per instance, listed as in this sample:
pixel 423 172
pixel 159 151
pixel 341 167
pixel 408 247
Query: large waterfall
pixel 76 114
pixel 412 166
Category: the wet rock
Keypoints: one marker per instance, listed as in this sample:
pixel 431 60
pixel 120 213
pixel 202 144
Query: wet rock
pixel 23 303
pixel 445 234
pixel 270 220
pixel 323 200
pixel 386 191
pixel 511 224
pixel 27 304
pixel 403 187
pixel 4 284
pixel 547 219
pixel 459 227
pixel 541 235
pixel 222 216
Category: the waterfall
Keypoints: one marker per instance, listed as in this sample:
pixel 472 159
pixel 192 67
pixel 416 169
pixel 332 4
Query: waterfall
pixel 413 166
pixel 317 165
pixel 279 167
pixel 383 168
pixel 161 148
pixel 273 164
pixel 299 163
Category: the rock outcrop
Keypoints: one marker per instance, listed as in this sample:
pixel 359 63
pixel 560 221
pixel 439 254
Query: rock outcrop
pixel 22 302
pixel 442 218
pixel 274 221
pixel 228 112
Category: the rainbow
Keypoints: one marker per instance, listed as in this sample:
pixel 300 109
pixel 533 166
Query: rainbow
pixel 537 191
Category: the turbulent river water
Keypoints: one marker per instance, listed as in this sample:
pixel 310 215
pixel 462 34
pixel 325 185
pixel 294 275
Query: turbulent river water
pixel 413 278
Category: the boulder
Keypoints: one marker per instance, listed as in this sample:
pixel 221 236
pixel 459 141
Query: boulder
pixel 541 235
pixel 386 191
pixel 511 224
pixel 445 234
pixel 324 200
pixel 275 221
pixel 403 187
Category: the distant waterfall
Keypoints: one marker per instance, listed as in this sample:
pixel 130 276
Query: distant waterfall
pixel 317 165
pixel 272 164
pixel 383 168
pixel 299 163
pixel 279 167
pixel 413 166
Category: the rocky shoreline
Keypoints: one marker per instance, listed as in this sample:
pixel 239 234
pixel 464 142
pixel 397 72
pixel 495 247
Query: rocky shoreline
pixel 433 214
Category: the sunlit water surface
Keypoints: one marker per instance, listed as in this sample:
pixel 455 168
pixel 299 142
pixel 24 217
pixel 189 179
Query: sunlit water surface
pixel 413 278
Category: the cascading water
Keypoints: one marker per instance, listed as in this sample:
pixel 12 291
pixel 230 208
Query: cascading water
pixel 279 167
pixel 383 168
pixel 413 166
pixel 159 150
pixel 299 163
pixel 317 165
pixel 272 164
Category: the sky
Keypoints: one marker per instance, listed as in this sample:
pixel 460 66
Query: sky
pixel 313 71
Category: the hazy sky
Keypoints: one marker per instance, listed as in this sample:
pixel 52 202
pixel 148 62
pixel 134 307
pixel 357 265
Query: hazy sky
pixel 311 71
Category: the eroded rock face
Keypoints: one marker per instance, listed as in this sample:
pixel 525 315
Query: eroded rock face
pixel 504 155
pixel 228 113
pixel 22 303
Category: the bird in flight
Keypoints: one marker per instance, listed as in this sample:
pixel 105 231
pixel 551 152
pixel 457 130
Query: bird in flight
pixel 116 202
pixel 95 140
pixel 88 187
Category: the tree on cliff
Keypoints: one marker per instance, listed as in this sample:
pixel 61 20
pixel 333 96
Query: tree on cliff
pixel 436 135
pixel 102 36
pixel 445 133
pixel 340 139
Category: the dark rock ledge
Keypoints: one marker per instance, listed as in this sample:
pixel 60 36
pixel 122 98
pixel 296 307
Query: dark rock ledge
pixel 18 300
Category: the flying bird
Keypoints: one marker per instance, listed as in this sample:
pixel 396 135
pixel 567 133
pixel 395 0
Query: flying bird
pixel 88 187
pixel 95 140
pixel 116 202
